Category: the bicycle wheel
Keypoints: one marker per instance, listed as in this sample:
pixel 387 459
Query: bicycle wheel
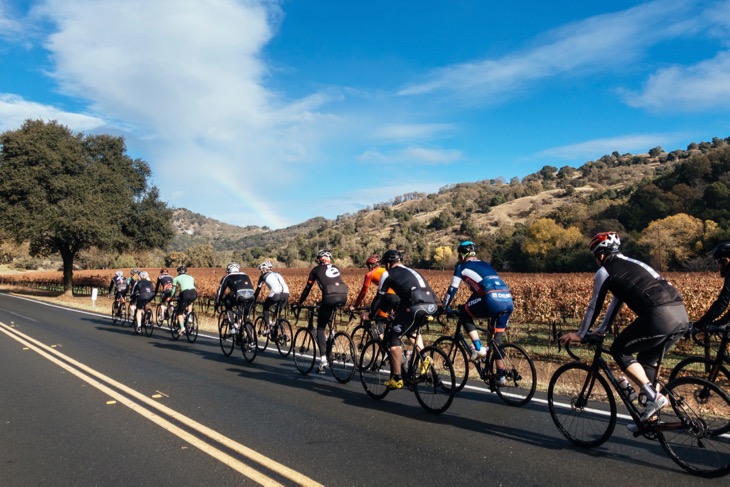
pixel 702 368
pixel 226 339
pixel 262 332
pixel 359 336
pixel 283 337
pixel 191 327
pixel 341 357
pixel 432 376
pixel 147 324
pixel 248 341
pixel 520 373
pixel 174 326
pixel 374 369
pixel 159 315
pixel 458 358
pixel 693 431
pixel 581 405
pixel 305 350
pixel 116 312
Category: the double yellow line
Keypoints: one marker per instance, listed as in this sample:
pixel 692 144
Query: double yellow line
pixel 90 376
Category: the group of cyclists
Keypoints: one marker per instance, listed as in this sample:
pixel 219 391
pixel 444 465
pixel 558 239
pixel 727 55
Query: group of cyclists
pixel 404 298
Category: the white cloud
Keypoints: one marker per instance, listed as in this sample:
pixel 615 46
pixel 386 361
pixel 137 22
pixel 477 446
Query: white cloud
pixel 703 86
pixel 593 149
pixel 14 110
pixel 412 131
pixel 412 155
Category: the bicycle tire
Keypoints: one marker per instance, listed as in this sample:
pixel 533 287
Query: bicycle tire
pixel 521 375
pixel 160 315
pixel 147 324
pixel 174 326
pixel 191 327
pixel 283 337
pixel 702 368
pixel 374 369
pixel 458 357
pixel 341 357
pixel 360 337
pixel 305 350
pixel 433 383
pixel 263 338
pixel 227 341
pixel 587 420
pixel 701 446
pixel 249 347
pixel 117 316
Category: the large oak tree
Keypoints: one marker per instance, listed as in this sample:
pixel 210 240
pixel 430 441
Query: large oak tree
pixel 65 192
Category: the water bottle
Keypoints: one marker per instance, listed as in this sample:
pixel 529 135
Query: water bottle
pixel 406 358
pixel 625 386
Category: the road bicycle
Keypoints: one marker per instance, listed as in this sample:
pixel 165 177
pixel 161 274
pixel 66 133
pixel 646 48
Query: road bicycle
pixel 190 321
pixel 278 332
pixel 244 334
pixel 427 372
pixel 161 316
pixel 365 331
pixel 119 311
pixel 340 352
pixel 714 340
pixel 147 324
pixel 515 384
pixel 692 428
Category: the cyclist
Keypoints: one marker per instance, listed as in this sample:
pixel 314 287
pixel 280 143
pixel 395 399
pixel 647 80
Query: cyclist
pixel 131 281
pixel 278 291
pixel 235 288
pixel 661 316
pixel 143 292
pixel 375 272
pixel 119 284
pixel 188 294
pixel 334 294
pixel 722 255
pixel 417 300
pixel 164 282
pixel 490 296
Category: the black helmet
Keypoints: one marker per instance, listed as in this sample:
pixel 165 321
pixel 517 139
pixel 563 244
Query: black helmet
pixel 722 250
pixel 391 257
pixel 467 249
pixel 182 269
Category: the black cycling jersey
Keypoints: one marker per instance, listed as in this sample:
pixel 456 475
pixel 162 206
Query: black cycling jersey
pixel 718 307
pixel 329 280
pixel 164 282
pixel 237 284
pixel 143 289
pixel 408 285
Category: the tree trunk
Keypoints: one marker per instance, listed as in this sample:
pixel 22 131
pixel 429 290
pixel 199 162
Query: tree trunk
pixel 68 272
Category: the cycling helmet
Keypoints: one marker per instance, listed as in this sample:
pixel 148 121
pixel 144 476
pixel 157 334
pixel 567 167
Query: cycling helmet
pixel 119 273
pixel 467 249
pixel 163 271
pixel 373 261
pixel 722 250
pixel 324 256
pixel 144 275
pixel 182 269
pixel 233 267
pixel 134 272
pixel 391 257
pixel 265 266
pixel 605 243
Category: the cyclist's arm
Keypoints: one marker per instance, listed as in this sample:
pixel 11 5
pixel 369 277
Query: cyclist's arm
pixel 600 288
pixel 717 308
pixel 449 296
pixel 365 285
pixel 305 291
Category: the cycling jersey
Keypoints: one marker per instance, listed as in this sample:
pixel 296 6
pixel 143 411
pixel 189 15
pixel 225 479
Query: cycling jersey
pixel 481 278
pixel 164 282
pixel 274 282
pixel 238 285
pixel 372 277
pixel 119 284
pixel 144 291
pixel 185 281
pixel 718 307
pixel 407 284
pixel 329 280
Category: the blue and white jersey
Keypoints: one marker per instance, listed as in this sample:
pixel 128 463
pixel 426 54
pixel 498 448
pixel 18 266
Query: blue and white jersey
pixel 481 278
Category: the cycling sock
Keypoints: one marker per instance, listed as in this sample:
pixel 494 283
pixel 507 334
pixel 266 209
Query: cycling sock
pixel 477 344
pixel 649 391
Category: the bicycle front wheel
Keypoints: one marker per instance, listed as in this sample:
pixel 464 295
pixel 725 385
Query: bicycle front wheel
pixel 581 405
pixel 226 339
pixel 374 369
pixel 191 327
pixel 702 368
pixel 693 431
pixel 147 323
pixel 359 336
pixel 342 357
pixel 458 358
pixel 432 376
pixel 262 332
pixel 519 372
pixel 283 337
pixel 248 341
pixel 305 350
pixel 159 315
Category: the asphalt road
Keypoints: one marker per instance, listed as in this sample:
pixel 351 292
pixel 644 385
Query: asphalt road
pixel 86 402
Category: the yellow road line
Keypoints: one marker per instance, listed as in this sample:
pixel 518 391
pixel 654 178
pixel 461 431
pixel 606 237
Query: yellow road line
pixel 237 465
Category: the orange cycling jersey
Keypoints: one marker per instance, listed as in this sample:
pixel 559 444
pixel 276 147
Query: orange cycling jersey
pixel 372 277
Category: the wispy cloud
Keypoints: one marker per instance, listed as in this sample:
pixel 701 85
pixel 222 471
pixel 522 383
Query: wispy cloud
pixel 412 156
pixel 412 131
pixel 588 150
pixel 14 110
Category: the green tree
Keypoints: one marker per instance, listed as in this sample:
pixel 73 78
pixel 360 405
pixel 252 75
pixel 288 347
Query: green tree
pixel 443 256
pixel 676 238
pixel 201 256
pixel 64 193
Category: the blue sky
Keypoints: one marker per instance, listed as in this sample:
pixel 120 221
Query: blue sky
pixel 273 112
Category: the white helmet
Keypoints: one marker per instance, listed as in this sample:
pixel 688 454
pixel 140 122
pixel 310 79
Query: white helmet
pixel 144 275
pixel 265 266
pixel 119 273
pixel 233 267
pixel 605 243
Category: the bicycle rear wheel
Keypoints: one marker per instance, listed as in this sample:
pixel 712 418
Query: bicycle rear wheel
pixel 341 357
pixel 191 327
pixel 693 431
pixel 248 341
pixel 359 336
pixel 174 326
pixel 226 339
pixel 147 323
pixel 581 405
pixel 305 350
pixel 262 332
pixel 702 368
pixel 520 373
pixel 283 337
pixel 432 376
pixel 159 315
pixel 374 369
pixel 458 358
